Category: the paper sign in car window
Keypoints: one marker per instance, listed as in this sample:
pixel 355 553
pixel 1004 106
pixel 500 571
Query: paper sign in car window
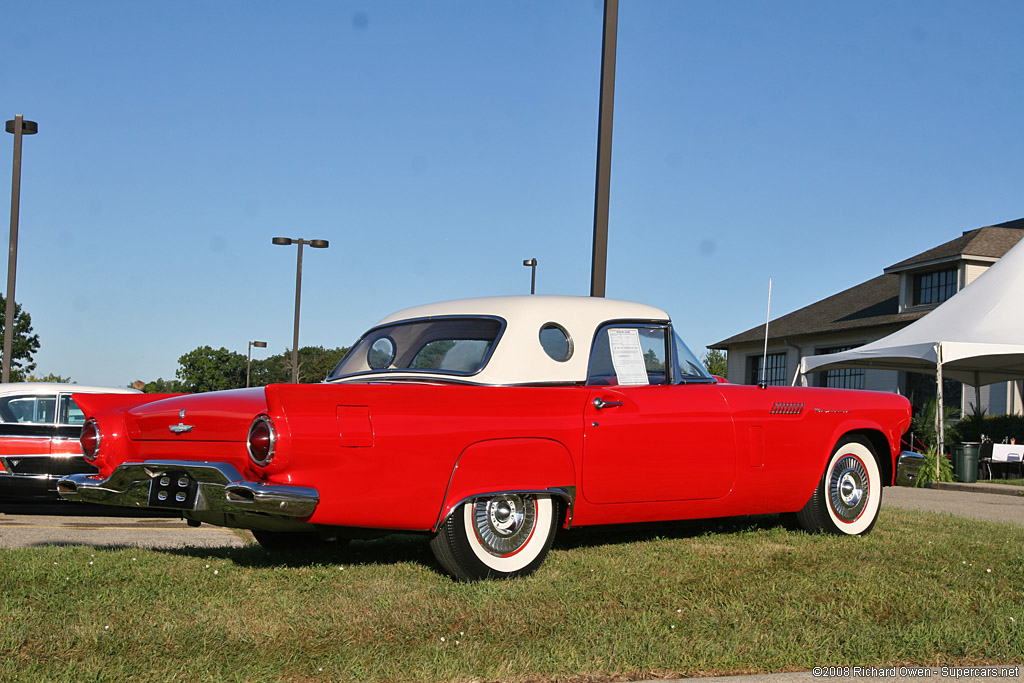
pixel 627 356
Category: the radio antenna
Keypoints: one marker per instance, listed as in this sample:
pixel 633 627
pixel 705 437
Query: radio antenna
pixel 764 359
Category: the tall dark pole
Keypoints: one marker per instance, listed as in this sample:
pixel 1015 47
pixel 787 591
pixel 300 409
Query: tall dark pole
pixel 295 333
pixel 316 244
pixel 532 263
pixel 19 126
pixel 248 363
pixel 599 264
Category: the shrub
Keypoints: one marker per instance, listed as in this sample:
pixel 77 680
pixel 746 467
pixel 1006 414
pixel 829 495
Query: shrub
pixel 924 425
pixel 927 473
pixel 995 427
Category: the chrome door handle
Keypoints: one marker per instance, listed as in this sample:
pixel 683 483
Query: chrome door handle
pixel 600 403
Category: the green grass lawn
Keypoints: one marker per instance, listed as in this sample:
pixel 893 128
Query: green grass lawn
pixel 680 600
pixel 1009 482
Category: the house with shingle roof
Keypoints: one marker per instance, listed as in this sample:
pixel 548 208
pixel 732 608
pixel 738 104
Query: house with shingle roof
pixel 903 293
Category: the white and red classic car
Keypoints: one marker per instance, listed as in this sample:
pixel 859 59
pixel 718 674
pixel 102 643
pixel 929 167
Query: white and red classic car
pixel 489 424
pixel 39 430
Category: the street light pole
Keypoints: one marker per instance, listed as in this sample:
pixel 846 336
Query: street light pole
pixel 19 126
pixel 316 244
pixel 599 259
pixel 248 363
pixel 532 263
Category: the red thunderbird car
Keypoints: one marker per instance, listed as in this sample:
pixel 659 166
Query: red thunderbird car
pixel 490 424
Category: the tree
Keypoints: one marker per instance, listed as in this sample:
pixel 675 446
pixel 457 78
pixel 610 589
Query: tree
pixel 716 362
pixel 163 386
pixel 208 369
pixel 24 344
pixel 51 378
pixel 315 362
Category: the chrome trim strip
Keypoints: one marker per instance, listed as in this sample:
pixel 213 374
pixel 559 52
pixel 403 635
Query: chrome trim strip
pixel 17 476
pixel 566 493
pixel 221 488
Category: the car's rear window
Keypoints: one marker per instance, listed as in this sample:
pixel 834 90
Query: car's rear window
pixel 457 346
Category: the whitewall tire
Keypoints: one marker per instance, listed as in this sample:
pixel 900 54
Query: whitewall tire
pixel 849 494
pixel 501 536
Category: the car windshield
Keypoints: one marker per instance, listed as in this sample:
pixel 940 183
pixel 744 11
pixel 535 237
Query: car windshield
pixel 456 346
pixel 689 366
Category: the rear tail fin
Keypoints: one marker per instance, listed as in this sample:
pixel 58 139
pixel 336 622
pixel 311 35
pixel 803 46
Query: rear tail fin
pixel 97 404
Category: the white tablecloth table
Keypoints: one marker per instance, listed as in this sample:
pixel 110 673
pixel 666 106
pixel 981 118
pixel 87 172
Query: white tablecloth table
pixel 1004 454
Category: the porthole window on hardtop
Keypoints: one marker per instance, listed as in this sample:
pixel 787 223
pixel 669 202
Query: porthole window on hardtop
pixel 556 342
pixel 457 346
pixel 381 353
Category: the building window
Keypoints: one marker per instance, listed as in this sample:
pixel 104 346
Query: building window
pixel 841 378
pixel 935 287
pixel 775 370
pixel 920 389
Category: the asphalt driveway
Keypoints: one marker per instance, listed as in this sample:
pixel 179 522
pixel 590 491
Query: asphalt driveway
pixel 989 502
pixel 32 524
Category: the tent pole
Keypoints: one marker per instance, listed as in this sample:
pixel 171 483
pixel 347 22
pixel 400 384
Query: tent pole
pixel 977 394
pixel 939 413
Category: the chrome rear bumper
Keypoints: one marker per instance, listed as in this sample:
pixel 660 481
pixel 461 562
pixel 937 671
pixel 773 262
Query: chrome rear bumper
pixel 189 486
pixel 907 468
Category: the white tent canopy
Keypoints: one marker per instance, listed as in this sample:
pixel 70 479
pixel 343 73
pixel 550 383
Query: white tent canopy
pixel 977 335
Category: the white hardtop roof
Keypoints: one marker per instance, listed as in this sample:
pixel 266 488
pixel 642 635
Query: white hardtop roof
pixel 519 357
pixel 534 307
pixel 58 388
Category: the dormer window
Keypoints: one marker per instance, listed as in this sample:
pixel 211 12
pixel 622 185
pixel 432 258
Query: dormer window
pixel 934 287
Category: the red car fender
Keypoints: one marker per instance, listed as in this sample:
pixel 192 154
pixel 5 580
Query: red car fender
pixel 877 435
pixel 531 465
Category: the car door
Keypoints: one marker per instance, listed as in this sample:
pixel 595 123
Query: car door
pixel 648 437
pixel 26 432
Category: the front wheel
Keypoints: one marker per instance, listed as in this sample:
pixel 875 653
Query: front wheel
pixel 496 537
pixel 849 495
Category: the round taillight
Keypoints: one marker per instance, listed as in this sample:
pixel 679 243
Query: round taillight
pixel 262 440
pixel 90 440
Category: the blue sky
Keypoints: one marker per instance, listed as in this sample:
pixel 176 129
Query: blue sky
pixel 438 143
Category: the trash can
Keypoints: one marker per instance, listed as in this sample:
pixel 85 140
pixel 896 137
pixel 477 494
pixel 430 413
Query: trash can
pixel 965 461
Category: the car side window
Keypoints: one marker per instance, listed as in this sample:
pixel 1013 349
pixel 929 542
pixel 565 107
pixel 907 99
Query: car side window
pixel 70 413
pixel 626 354
pixel 29 409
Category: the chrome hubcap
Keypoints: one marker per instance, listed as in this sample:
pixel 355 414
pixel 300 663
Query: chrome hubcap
pixel 503 524
pixel 848 488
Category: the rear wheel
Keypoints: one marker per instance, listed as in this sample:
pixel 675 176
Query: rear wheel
pixel 497 537
pixel 849 495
